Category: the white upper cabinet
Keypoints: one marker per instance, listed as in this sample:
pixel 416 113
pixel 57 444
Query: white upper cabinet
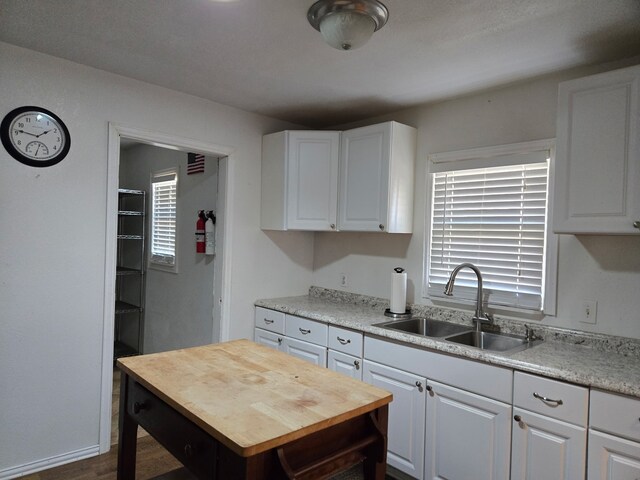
pixel 299 180
pixel 376 178
pixel 373 166
pixel 598 154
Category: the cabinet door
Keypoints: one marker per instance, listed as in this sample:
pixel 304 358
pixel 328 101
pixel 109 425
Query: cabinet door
pixel 543 447
pixel 306 351
pixel 268 339
pixel 364 178
pixel 312 183
pixel 598 154
pixel 345 364
pixel 406 416
pixel 468 436
pixel 612 458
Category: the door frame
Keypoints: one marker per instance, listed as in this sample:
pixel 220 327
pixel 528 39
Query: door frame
pixel 222 268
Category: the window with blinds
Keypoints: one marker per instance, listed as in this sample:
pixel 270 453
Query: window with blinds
pixel 163 218
pixel 496 219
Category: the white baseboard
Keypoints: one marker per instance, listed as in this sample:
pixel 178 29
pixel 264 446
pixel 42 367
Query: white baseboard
pixel 56 461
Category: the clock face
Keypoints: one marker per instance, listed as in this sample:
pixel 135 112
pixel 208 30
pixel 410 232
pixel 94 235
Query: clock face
pixel 35 136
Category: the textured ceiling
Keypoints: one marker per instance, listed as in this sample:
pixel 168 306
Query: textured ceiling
pixel 262 55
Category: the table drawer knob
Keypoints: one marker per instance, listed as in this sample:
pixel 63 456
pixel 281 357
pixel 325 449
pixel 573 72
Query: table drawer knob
pixel 138 407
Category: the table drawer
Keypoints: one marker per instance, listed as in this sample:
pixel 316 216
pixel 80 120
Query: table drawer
pixel 345 341
pixel 565 401
pixel 615 414
pixel 270 320
pixel 191 445
pixel 307 330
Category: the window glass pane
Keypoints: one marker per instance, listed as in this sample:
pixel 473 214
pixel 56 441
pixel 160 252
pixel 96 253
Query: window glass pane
pixel 163 218
pixel 494 218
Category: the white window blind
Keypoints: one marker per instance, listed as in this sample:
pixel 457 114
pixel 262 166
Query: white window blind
pixel 496 219
pixel 163 218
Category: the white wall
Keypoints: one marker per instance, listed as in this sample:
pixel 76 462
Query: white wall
pixel 605 268
pixel 52 247
pixel 178 310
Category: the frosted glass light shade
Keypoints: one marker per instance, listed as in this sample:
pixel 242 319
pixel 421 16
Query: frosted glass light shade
pixel 347 30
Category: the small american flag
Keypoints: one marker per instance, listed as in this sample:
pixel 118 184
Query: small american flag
pixel 195 163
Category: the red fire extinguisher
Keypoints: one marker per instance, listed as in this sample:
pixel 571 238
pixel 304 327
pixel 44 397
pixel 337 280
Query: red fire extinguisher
pixel 200 232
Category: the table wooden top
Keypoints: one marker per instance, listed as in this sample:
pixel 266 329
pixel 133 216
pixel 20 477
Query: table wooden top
pixel 249 397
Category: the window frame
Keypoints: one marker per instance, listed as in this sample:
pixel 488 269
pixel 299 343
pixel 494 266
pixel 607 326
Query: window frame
pixel 487 157
pixel 153 262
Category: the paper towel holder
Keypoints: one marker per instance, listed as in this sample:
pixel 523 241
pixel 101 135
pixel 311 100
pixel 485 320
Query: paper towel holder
pixel 406 314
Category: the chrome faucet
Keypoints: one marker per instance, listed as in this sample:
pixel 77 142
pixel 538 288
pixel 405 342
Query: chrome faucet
pixel 480 316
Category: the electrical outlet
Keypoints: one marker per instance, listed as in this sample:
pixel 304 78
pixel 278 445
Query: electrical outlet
pixel 343 280
pixel 589 311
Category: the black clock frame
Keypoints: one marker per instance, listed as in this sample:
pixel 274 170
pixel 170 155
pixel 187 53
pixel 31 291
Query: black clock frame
pixel 6 140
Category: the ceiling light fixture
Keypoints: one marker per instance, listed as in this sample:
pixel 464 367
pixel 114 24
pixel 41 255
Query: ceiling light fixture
pixel 347 24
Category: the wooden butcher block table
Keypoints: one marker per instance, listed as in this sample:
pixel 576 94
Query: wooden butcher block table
pixel 239 410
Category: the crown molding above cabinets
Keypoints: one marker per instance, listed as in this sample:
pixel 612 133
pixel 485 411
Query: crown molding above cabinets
pixel 357 180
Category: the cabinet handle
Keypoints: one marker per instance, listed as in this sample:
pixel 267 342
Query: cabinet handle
pixel 547 400
pixel 381 227
pixel 303 331
pixel 267 321
pixel 333 226
pixel 636 224
pixel 279 341
pixel 429 388
pixel 343 341
pixel 356 363
pixel 518 419
pixel 419 385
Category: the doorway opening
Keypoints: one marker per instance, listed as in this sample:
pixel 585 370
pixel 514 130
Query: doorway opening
pixel 181 306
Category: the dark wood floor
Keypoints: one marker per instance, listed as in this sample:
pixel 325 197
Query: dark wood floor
pixel 152 461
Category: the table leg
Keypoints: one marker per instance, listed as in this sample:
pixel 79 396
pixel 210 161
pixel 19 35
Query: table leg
pixel 127 434
pixel 375 462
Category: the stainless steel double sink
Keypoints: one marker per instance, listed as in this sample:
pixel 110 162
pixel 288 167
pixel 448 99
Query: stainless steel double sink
pixel 459 334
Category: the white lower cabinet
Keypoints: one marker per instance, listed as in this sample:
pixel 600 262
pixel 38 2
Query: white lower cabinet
pixel 268 339
pixel 406 416
pixel 345 364
pixel 468 435
pixel 310 352
pixel 543 447
pixel 613 458
pixel 614 437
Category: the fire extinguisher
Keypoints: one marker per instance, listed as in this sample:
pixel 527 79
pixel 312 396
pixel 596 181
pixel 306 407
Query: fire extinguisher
pixel 200 232
pixel 209 233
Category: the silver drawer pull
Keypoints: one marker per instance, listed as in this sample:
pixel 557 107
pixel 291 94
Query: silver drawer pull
pixel 343 341
pixel 303 331
pixel 545 399
pixel 266 320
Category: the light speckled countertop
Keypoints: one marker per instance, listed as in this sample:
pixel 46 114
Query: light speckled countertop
pixel 599 361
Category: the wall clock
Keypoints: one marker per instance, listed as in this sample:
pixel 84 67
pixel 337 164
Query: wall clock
pixel 35 136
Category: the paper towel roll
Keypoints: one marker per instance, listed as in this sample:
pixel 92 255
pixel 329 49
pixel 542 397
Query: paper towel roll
pixel 398 302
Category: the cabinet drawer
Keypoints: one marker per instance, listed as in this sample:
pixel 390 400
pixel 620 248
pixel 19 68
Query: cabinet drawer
pixel 345 341
pixel 270 320
pixel 307 330
pixel 615 414
pixel 530 391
